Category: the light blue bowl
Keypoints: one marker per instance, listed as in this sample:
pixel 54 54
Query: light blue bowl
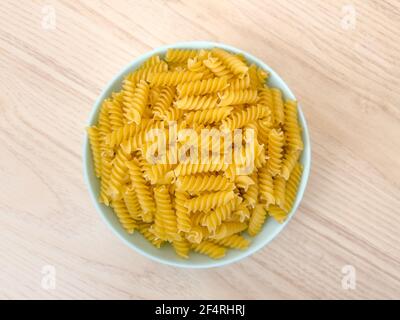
pixel 166 254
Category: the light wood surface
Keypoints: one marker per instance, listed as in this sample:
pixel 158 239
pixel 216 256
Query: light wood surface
pixel 345 74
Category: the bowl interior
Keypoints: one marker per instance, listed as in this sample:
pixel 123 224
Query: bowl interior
pixel 166 254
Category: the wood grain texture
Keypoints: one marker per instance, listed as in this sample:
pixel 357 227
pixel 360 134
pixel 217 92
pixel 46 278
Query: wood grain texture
pixel 347 80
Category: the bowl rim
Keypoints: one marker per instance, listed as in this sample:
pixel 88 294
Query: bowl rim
pixel 197 45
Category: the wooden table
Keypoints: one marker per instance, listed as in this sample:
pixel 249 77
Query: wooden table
pixel 342 62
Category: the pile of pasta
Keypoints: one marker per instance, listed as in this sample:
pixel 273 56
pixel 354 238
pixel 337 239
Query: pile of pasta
pixel 205 208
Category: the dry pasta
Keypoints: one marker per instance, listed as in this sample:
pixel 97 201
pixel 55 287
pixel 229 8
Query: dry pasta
pixel 199 193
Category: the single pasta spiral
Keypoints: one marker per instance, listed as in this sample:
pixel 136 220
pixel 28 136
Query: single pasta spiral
pixel 208 116
pixel 119 174
pixel 240 118
pixel 173 78
pixel 182 248
pixel 210 249
pixel 186 169
pixel 257 219
pixel 293 130
pixel 135 102
pixel 214 219
pixel 163 103
pixel 217 67
pixel 200 87
pixel 275 150
pixel 209 201
pixel 143 191
pixel 266 185
pixel 196 65
pixel 237 66
pixel 179 55
pixel 165 225
pixel 183 219
pixel 197 102
pixel 124 217
pixel 145 73
pixel 132 203
pixel 234 241
pixel 231 97
pixel 94 138
pixel 203 182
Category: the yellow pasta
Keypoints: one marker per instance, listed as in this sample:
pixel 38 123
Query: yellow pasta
pixel 123 216
pixel 173 78
pixel 292 127
pixel 119 174
pixel 236 65
pixel 209 201
pixel 234 241
pixel 197 102
pixel 194 88
pixel 165 225
pixel 231 97
pixel 196 65
pixel 240 118
pixel 163 103
pixel 209 190
pixel 179 55
pixel 208 116
pixel 184 223
pixel 93 133
pixel 257 219
pixel 275 151
pixel 215 217
pixel 217 67
pixel 210 249
pixel 203 182
pixel 135 102
pixel 143 190
pixel 182 248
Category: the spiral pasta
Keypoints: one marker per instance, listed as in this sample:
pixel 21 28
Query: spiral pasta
pixel 179 55
pixel 186 169
pixel 234 242
pixel 119 174
pixel 208 116
pixel 217 67
pixel 275 151
pixel 143 191
pixel 182 248
pixel 197 102
pixel 199 87
pixel 240 118
pixel 182 213
pixel 163 103
pixel 209 201
pixel 257 219
pixel 146 72
pixel 236 65
pixel 210 249
pixel 173 78
pixel 247 134
pixel 165 224
pixel 292 127
pixel 135 102
pixel 215 217
pixel 123 216
pixel 266 185
pixel 196 65
pixel 203 182
pixel 115 112
pixel 93 133
pixel 231 97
